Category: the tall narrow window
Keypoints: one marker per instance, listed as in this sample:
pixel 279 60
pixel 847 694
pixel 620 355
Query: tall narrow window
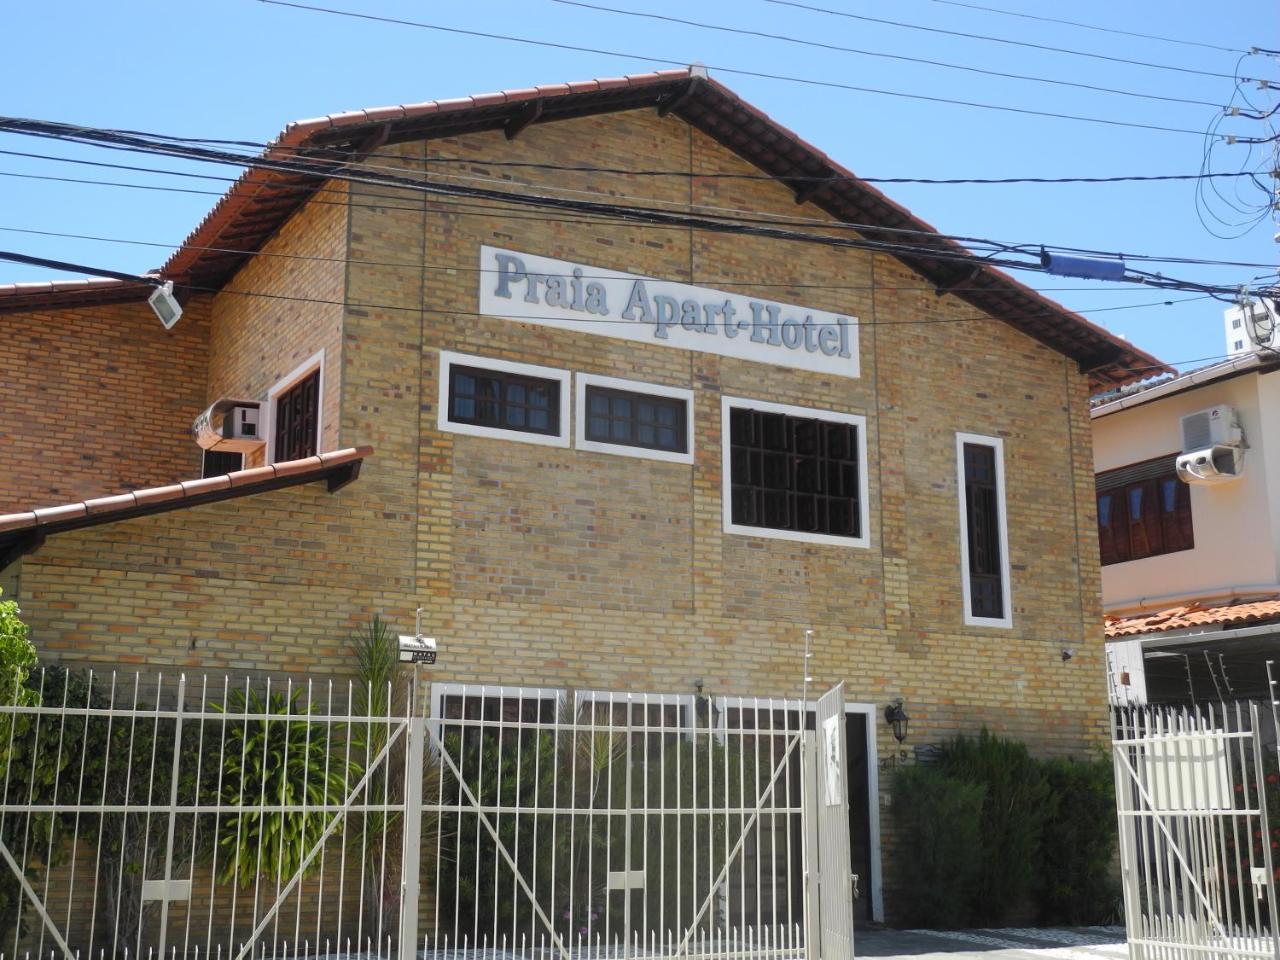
pixel 296 419
pixel 984 540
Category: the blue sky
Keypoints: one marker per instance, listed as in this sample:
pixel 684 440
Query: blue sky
pixel 241 69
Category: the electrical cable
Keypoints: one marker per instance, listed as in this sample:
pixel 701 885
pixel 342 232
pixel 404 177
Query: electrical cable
pixel 980 36
pixel 701 280
pixel 428 162
pixel 1091 26
pixel 347 304
pixel 836 48
pixel 111 140
pixel 808 81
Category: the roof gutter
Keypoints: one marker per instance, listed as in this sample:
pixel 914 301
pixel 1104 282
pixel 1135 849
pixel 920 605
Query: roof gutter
pixel 1196 378
pixel 1186 639
pixel 1185 596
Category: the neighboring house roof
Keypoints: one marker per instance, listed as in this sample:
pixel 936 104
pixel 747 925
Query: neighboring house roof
pixel 261 200
pixel 1191 615
pixel 70 293
pixel 1134 396
pixel 23 532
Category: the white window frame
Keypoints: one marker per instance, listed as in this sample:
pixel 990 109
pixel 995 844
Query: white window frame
pixel 584 380
pixel 283 385
pixel 726 481
pixel 448 358
pixel 1006 594
pixel 441 690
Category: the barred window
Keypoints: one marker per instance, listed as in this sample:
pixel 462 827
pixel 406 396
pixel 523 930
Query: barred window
pixel 794 473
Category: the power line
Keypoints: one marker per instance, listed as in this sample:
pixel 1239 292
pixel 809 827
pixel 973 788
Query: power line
pixel 408 265
pixel 348 304
pixel 1090 26
pixel 428 162
pixel 837 48
pixel 808 81
pixel 702 280
pixel 1017 43
pixel 726 221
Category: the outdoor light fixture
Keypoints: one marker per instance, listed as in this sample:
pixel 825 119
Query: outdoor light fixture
pixel 896 716
pixel 165 305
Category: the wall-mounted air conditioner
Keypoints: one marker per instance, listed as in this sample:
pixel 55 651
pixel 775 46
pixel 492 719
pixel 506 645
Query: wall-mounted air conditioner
pixel 229 426
pixel 1212 446
pixel 1205 428
pixel 1215 464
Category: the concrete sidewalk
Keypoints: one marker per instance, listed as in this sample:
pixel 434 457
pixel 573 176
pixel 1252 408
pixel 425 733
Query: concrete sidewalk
pixel 1015 943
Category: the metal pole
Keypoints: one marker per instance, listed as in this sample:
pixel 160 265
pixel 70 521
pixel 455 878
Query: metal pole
pixel 173 813
pixel 411 854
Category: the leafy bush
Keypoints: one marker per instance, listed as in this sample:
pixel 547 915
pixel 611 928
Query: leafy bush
pixel 1013 811
pixel 1075 884
pixel 288 761
pixel 939 859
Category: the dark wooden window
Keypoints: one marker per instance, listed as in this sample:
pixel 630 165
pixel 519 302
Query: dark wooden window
pixel 1144 510
pixel 794 473
pixel 504 401
pixel 636 419
pixel 982 518
pixel 216 464
pixel 297 416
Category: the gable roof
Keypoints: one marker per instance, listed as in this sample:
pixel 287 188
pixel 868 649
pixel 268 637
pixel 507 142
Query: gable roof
pixel 261 200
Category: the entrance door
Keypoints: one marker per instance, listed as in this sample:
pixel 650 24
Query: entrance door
pixel 859 812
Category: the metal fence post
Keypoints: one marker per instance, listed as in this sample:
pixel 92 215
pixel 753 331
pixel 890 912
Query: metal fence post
pixel 411 854
pixel 809 829
pixel 1264 822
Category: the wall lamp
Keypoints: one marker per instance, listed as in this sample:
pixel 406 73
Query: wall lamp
pixel 895 715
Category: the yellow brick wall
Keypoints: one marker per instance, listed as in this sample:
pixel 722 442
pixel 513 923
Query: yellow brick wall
pixel 559 568
pixel 283 307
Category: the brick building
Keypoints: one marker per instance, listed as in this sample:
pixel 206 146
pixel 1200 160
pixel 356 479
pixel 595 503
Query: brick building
pixel 595 480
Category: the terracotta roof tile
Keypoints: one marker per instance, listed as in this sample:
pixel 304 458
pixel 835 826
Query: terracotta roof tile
pixel 67 511
pixel 1194 614
pixel 336 465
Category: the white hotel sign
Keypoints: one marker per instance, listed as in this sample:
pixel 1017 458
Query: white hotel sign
pixel 572 296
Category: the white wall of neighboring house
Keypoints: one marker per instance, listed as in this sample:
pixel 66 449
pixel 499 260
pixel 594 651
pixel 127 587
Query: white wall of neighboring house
pixel 1236 524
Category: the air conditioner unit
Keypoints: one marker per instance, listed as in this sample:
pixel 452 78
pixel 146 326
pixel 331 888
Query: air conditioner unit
pixel 1218 463
pixel 1212 427
pixel 229 426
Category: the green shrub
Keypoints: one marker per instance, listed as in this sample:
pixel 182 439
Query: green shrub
pixel 289 761
pixel 939 818
pixel 1076 884
pixel 1013 810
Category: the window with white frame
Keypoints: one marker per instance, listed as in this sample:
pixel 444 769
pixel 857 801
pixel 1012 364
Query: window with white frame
pixel 487 397
pixel 794 473
pixel 634 419
pixel 295 406
pixel 984 542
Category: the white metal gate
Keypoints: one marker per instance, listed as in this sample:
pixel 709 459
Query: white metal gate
pixel 251 820
pixel 1197 794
